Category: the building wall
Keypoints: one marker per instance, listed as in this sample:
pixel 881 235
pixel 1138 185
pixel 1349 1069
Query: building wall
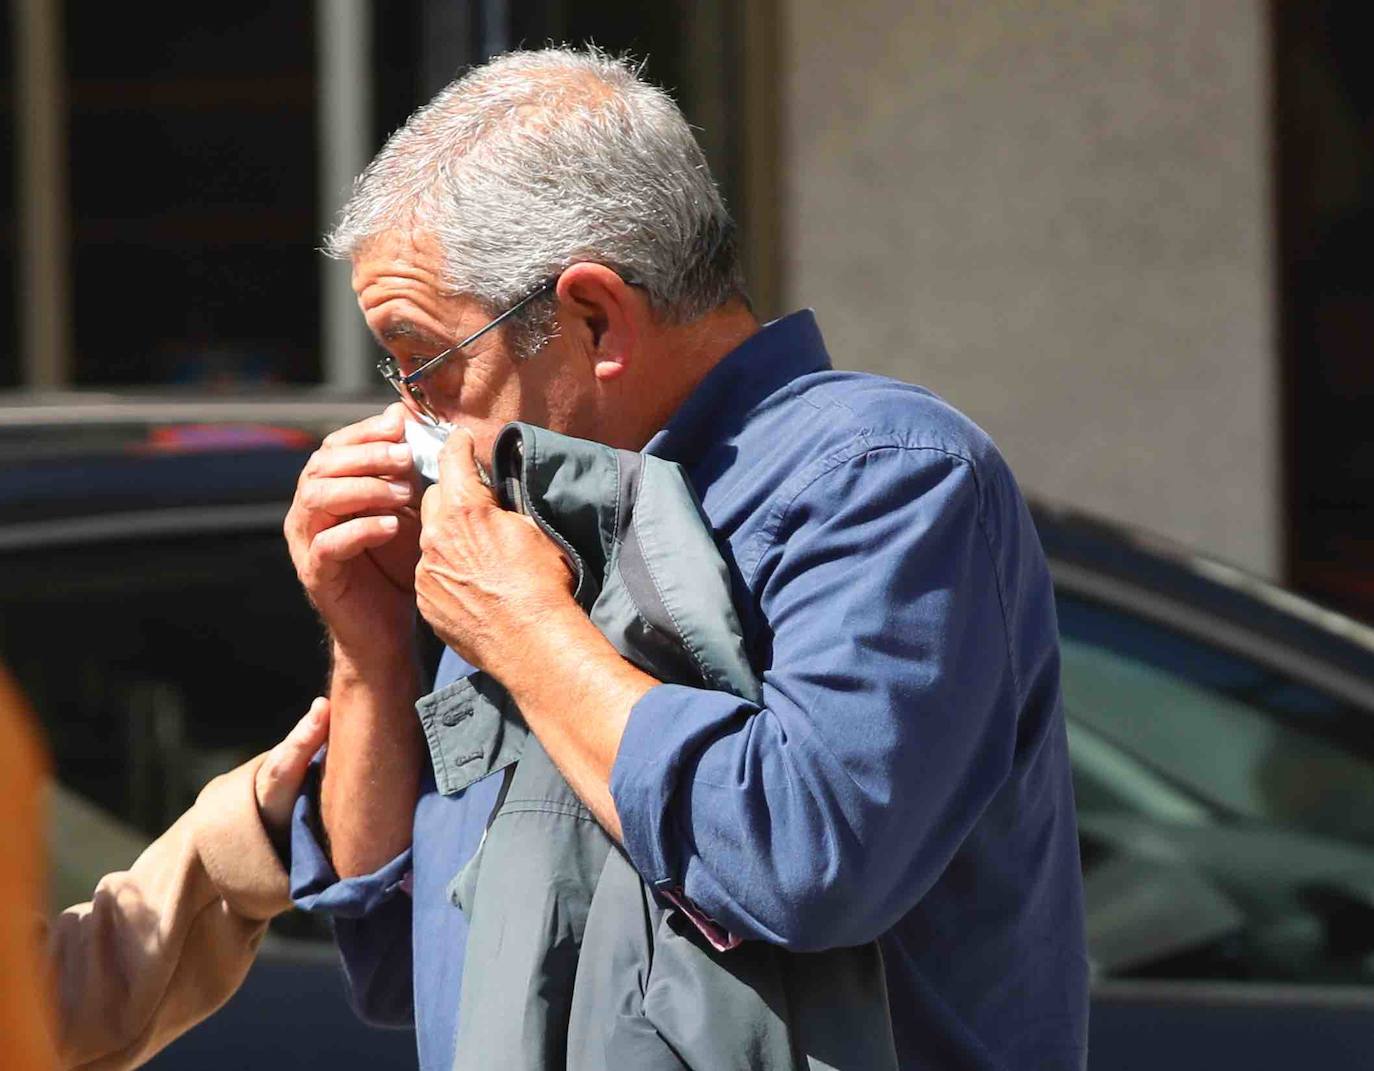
pixel 1057 217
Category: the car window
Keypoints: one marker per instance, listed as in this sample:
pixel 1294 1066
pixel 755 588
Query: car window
pixel 154 664
pixel 1226 810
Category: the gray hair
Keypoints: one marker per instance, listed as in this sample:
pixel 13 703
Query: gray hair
pixel 538 160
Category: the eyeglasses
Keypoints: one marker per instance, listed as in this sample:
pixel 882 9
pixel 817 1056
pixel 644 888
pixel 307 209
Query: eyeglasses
pixel 408 385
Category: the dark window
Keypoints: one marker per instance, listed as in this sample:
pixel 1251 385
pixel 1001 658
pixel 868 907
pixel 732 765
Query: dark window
pixel 1324 125
pixel 192 152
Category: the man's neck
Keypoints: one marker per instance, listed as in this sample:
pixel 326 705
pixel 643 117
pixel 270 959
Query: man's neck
pixel 689 352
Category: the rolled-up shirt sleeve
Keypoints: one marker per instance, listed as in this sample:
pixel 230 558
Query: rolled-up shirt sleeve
pixel 818 817
pixel 370 913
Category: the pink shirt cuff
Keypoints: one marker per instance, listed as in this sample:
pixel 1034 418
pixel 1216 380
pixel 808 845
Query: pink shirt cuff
pixel 719 938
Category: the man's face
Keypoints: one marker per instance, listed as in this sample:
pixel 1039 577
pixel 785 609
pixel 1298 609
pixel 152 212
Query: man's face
pixel 397 280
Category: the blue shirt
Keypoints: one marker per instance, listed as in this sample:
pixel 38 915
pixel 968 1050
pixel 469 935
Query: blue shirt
pixel 905 777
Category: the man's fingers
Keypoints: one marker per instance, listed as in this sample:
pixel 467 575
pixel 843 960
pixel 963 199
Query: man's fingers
pixel 387 425
pixel 430 506
pixel 362 459
pixel 343 496
pixel 459 481
pixel 346 540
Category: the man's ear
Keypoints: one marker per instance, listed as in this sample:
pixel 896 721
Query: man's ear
pixel 602 315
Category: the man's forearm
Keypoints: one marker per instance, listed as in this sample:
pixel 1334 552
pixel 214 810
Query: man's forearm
pixel 372 770
pixel 576 693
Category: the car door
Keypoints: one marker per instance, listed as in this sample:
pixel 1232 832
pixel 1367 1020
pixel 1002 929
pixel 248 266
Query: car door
pixel 1226 813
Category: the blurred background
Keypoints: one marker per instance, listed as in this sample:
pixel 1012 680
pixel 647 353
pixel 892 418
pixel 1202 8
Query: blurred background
pixel 1130 239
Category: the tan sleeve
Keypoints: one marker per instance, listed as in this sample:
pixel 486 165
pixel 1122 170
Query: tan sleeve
pixel 165 943
pixel 25 1041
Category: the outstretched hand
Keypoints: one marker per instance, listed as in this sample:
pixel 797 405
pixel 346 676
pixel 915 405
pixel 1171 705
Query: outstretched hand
pixel 282 773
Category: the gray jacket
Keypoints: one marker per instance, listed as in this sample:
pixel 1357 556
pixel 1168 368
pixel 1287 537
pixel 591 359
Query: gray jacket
pixel 572 961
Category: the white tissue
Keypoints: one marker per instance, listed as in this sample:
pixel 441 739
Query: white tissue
pixel 425 442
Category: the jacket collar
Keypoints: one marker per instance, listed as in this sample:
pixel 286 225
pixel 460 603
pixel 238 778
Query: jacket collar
pixel 758 368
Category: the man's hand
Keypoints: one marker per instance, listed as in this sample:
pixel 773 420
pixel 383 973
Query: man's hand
pixel 486 575
pixel 279 778
pixel 499 592
pixel 353 532
pixel 354 535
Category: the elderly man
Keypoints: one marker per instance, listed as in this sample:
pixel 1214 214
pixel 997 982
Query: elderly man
pixel 543 242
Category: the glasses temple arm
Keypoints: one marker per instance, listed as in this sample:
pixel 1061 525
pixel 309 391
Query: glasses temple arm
pixel 541 289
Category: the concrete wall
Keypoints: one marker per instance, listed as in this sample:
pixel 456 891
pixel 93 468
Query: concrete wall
pixel 1057 217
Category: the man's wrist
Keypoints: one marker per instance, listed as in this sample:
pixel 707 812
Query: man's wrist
pixel 546 637
pixel 379 669
pixel 564 656
pixel 576 692
pixel 381 649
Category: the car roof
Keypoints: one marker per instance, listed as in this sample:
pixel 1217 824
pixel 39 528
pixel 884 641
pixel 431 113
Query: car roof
pixel 74 455
pixel 1215 601
pixel 63 424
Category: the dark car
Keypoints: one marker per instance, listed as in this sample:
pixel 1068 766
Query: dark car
pixel 1222 736
pixel 152 616
pixel 1222 733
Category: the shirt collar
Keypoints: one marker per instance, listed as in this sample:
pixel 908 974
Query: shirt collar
pixel 759 367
